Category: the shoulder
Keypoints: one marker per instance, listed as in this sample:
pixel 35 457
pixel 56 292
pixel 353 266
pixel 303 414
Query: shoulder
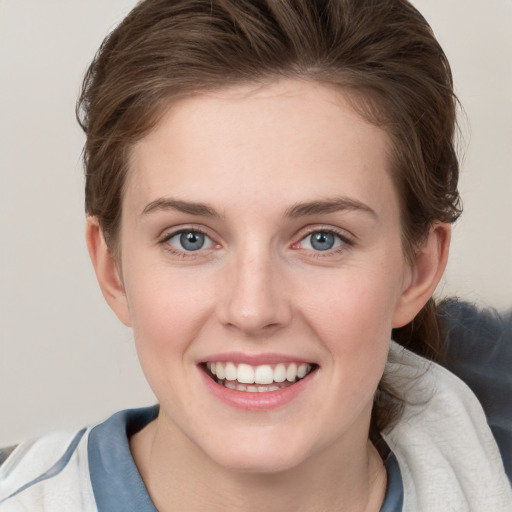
pixel 81 471
pixel 471 332
pixel 443 426
pixel 479 351
pixel 50 473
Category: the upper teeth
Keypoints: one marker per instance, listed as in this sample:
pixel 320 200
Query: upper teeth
pixel 262 374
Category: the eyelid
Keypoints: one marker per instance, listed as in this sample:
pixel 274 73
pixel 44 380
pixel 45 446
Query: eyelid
pixel 345 236
pixel 169 230
pixel 346 242
pixel 169 233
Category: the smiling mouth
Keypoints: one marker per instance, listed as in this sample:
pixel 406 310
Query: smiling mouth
pixel 257 379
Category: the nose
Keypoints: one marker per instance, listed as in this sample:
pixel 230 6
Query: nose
pixel 255 300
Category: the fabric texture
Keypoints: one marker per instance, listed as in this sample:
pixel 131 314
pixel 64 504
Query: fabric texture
pixel 114 476
pixel 479 352
pixel 48 475
pixel 448 457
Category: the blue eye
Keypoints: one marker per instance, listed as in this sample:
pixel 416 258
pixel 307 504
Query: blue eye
pixel 321 241
pixel 190 241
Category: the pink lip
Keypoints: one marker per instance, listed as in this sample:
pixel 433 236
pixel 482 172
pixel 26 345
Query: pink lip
pixel 253 359
pixel 256 401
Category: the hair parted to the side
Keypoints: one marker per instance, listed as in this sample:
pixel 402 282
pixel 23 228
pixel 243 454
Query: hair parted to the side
pixel 381 53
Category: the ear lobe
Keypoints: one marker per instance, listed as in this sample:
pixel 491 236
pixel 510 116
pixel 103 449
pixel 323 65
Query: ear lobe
pixel 426 272
pixel 107 270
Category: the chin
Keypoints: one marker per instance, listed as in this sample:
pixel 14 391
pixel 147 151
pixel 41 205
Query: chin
pixel 259 463
pixel 262 455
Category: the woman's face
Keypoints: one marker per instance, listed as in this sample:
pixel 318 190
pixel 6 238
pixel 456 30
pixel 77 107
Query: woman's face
pixel 260 238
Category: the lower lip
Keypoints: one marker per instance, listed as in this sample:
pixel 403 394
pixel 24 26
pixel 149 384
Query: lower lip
pixel 256 401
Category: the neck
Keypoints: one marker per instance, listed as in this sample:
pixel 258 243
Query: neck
pixel 179 476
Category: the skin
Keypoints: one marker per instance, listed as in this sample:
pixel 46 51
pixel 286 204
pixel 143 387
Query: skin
pixel 252 156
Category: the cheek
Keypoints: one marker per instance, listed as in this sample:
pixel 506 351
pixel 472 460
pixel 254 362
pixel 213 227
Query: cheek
pixel 353 306
pixel 167 310
pixel 352 314
pixel 167 315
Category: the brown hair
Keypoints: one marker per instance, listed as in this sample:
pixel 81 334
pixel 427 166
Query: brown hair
pixel 381 52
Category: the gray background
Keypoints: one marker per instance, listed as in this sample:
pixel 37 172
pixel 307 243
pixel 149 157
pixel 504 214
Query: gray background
pixel 65 360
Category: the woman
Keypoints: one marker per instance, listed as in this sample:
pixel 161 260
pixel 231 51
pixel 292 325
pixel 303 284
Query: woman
pixel 270 188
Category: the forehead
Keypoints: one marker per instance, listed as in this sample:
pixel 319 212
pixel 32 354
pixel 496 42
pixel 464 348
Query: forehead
pixel 288 139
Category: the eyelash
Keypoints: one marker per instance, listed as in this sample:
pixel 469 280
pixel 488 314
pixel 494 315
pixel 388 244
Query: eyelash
pixel 183 253
pixel 345 242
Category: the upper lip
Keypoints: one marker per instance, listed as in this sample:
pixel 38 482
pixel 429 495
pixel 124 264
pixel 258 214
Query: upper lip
pixel 253 359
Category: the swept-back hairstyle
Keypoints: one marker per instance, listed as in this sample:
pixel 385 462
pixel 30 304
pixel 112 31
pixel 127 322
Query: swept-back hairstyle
pixel 381 53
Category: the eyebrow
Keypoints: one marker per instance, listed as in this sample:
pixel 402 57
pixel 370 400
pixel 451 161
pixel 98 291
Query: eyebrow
pixel 192 208
pixel 330 205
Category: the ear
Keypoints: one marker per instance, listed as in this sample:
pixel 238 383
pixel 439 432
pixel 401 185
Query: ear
pixel 426 271
pixel 107 270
